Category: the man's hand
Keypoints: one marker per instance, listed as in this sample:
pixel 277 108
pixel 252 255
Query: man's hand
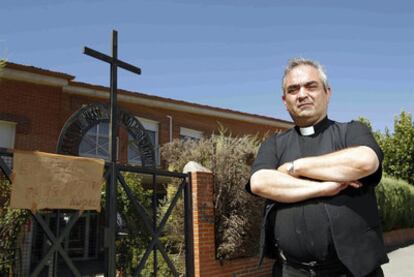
pixel 285 169
pixel 333 188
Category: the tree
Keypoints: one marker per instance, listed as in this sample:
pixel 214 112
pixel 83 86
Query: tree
pixel 398 147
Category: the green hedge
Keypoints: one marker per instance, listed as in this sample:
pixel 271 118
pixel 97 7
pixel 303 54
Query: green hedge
pixel 396 203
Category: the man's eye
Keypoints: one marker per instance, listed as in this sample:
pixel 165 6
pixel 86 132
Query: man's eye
pixel 292 90
pixel 312 86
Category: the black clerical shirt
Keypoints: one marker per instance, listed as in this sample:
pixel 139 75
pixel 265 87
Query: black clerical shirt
pixel 307 230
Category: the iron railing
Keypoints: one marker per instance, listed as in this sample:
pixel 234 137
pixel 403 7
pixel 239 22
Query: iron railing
pixel 57 257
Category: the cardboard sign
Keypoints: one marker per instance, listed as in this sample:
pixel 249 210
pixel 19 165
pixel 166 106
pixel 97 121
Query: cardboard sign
pixel 50 181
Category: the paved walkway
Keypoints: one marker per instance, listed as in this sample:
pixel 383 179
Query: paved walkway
pixel 401 262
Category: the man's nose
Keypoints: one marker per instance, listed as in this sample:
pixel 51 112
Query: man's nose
pixel 302 92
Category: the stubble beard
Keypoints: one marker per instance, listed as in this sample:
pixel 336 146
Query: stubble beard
pixel 305 118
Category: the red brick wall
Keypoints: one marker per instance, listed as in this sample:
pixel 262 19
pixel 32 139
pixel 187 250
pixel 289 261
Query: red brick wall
pixel 205 263
pixel 37 111
pixel 397 237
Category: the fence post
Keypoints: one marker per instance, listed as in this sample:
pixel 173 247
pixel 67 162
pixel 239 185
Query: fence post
pixel 203 222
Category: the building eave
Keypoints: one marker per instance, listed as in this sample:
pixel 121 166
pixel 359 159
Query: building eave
pixel 31 77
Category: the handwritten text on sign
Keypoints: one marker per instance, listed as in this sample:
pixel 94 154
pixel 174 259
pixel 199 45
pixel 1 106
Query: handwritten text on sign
pixel 50 181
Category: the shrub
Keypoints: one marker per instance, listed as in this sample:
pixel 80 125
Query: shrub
pixel 131 246
pixel 396 203
pixel 11 223
pixel 229 158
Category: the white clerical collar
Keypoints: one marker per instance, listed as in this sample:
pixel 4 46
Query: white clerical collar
pixel 307 131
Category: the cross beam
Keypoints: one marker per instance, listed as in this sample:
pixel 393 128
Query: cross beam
pixel 100 56
pixel 115 63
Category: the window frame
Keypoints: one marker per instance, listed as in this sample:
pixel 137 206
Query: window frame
pixel 12 139
pixel 186 133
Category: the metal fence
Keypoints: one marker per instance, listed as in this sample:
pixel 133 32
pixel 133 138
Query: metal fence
pixel 153 230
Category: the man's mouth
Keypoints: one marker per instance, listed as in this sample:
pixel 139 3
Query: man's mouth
pixel 304 105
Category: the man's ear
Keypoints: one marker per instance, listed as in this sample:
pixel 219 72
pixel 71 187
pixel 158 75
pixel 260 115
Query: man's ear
pixel 329 93
pixel 284 100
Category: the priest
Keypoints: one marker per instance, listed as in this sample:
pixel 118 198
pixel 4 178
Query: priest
pixel 321 216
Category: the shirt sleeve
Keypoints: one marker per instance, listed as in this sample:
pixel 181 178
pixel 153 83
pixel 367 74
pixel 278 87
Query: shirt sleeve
pixel 266 158
pixel 358 134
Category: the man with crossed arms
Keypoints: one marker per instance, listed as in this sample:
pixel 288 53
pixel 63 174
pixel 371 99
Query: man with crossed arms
pixel 321 216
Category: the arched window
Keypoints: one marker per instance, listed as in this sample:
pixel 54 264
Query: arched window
pixel 95 143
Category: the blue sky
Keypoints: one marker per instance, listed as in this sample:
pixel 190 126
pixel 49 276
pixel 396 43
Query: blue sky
pixel 227 53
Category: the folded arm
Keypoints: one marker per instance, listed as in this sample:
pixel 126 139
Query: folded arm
pixel 341 166
pixel 279 186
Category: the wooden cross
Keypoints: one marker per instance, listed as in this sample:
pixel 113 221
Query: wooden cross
pixel 115 63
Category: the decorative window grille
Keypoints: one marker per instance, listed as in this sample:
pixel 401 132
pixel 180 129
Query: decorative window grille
pixel 151 127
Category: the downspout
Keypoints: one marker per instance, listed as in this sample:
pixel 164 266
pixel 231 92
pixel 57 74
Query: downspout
pixel 171 127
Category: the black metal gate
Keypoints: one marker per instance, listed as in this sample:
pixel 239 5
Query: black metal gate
pixel 153 224
pixel 56 261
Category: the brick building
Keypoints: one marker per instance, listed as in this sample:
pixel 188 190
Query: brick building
pixel 35 104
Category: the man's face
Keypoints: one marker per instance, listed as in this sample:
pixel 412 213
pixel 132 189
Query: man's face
pixel 304 96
